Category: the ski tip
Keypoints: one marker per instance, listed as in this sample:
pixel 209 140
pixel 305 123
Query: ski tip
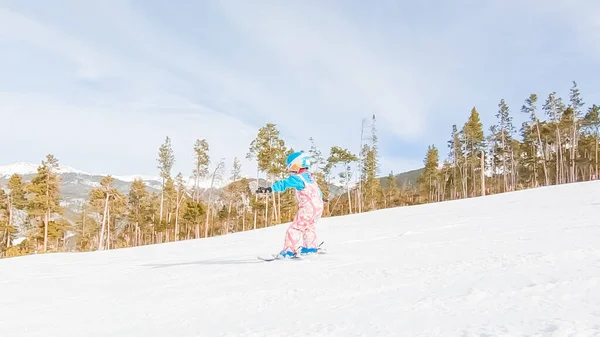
pixel 267 259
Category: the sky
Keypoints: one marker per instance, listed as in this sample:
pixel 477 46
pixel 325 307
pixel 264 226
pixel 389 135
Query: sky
pixel 101 84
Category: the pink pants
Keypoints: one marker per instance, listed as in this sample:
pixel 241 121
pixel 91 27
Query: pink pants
pixel 303 227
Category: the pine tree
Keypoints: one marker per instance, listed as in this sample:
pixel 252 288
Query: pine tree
pixel 180 197
pixel 170 193
pixel 216 175
pixel 192 214
pixel 575 107
pixel 86 228
pixel 528 154
pixel 473 144
pixel 45 190
pixel 270 152
pixel 5 227
pixel 554 109
pixel 530 108
pixel 166 160
pixel 428 179
pixel 268 149
pixel 592 122
pixel 340 155
pixel 318 164
pixel 201 162
pixel 505 133
pixel 370 165
pixel 456 154
pixel 105 199
pixel 392 192
pixel 233 192
pixel 139 209
pixel 15 200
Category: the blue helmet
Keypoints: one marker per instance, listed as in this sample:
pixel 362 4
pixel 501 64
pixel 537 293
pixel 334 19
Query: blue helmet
pixel 297 160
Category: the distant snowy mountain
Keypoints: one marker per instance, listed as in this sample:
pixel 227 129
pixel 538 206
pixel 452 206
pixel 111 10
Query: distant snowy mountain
pixel 76 184
pixel 24 168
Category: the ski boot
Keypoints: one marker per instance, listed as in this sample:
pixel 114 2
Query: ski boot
pixel 287 255
pixel 308 251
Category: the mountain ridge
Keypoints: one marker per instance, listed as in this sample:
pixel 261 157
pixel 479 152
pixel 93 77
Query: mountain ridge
pixel 76 184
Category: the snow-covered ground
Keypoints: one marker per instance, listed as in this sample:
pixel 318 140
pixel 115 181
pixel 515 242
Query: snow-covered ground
pixel 517 264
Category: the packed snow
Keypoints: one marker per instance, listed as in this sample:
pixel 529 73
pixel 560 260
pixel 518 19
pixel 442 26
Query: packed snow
pixel 525 263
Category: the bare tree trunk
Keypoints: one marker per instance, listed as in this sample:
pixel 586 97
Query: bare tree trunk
pixel 10 222
pixel 138 235
pixel 537 126
pixel 513 170
pixel 177 218
pixel 46 220
pixel 464 177
pixel 504 162
pixel 228 216
pixel 108 229
pixel 267 211
pixel 243 217
pixel 279 207
pixel 572 153
pixel 349 199
pixel 162 200
pixel 559 158
pixel 482 173
pixel 275 216
pixel 101 238
pixel 207 217
pixel 255 212
pixel 596 153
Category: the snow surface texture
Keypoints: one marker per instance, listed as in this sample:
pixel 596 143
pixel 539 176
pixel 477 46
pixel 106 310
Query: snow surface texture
pixel 516 264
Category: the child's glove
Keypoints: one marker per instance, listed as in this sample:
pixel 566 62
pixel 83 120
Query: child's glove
pixel 264 190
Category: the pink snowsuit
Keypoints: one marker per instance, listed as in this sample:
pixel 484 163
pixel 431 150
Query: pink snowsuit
pixel 310 210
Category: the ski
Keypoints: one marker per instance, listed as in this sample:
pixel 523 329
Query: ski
pixel 274 257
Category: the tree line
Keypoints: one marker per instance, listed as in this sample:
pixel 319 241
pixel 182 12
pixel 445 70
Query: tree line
pixel 560 148
pixel 556 144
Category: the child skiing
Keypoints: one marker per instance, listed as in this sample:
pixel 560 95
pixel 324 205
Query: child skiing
pixel 310 202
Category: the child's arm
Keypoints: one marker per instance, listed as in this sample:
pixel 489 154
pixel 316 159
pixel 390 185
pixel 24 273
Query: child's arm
pixel 292 181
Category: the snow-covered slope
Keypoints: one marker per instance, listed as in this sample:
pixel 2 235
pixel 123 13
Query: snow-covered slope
pixel 516 264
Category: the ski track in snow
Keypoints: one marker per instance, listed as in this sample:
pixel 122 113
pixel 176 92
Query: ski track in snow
pixel 516 264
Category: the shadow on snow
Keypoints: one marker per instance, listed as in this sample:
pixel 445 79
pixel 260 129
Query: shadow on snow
pixel 202 262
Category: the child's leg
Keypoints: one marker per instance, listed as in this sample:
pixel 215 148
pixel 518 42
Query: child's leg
pixel 310 235
pixel 293 235
pixel 296 230
pixel 310 232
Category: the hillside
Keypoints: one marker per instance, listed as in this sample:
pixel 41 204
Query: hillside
pixel 405 179
pixel 514 264
pixel 76 184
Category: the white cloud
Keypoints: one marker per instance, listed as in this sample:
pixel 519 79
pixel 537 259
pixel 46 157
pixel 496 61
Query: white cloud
pixel 127 127
pixel 336 65
pixel 91 63
pixel 125 81
pixel 94 134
